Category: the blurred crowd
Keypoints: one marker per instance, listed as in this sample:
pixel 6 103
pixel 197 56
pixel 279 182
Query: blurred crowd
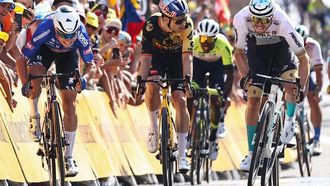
pixel 114 28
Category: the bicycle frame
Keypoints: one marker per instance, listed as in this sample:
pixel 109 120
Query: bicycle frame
pixel 53 138
pixel 166 128
pixel 275 98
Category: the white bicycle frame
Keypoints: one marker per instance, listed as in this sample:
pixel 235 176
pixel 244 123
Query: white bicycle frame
pixel 275 98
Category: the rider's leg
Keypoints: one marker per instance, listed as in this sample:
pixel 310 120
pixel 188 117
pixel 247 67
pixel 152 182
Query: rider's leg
pixel 33 101
pixel 251 119
pixel 181 120
pixel 182 126
pixel 215 117
pixel 316 114
pixel 69 118
pixel 70 127
pixel 152 99
pixel 316 119
pixel 288 131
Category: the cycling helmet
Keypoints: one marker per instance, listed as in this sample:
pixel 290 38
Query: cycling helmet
pixel 262 8
pixel 125 38
pixel 173 8
pixel 208 27
pixel 303 31
pixel 66 20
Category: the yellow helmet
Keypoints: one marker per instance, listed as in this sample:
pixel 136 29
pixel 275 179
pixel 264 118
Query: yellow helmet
pixel 92 19
pixel 4 36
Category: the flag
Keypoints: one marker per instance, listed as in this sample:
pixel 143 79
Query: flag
pixel 132 21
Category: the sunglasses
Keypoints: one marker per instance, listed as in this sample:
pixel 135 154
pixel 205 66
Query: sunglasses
pixel 90 26
pixel 263 20
pixel 206 39
pixel 180 21
pixel 66 36
pixel 112 30
pixel 99 12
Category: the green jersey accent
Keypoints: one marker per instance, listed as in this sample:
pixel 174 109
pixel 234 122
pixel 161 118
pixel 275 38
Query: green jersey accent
pixel 222 49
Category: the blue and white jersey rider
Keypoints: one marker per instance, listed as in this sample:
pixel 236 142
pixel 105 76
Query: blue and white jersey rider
pixel 45 35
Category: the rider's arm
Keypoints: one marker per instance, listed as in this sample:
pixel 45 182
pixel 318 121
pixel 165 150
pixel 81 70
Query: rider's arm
pixel 227 61
pixel 304 68
pixel 240 38
pixel 145 65
pixel 316 60
pixel 187 48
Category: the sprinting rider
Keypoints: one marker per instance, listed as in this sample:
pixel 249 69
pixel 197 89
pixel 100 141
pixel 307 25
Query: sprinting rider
pixel 313 49
pixel 57 38
pixel 271 41
pixel 213 54
pixel 167 46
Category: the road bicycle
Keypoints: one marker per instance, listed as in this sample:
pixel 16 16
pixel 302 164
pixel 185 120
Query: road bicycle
pixel 166 127
pixel 200 132
pixel 267 145
pixel 304 141
pixel 53 140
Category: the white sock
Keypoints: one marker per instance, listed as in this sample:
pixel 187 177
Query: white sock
pixel 34 106
pixel 153 115
pixel 70 136
pixel 287 118
pixel 250 153
pixel 182 142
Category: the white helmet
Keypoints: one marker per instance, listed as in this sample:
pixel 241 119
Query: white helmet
pixel 66 20
pixel 262 8
pixel 208 27
pixel 303 31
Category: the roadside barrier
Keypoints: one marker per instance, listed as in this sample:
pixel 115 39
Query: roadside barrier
pixel 105 145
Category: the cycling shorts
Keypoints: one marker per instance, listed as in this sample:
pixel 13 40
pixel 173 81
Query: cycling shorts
pixel 273 59
pixel 169 64
pixel 215 69
pixel 65 62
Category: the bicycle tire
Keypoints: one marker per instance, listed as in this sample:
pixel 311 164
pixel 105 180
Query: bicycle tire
pixel 49 146
pixel 275 179
pixel 271 164
pixel 307 139
pixel 203 164
pixel 262 125
pixel 300 148
pixel 59 136
pixel 195 151
pixel 165 150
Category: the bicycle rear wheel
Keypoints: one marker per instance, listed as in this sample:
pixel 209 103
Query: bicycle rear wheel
pixel 167 165
pixel 259 142
pixel 59 136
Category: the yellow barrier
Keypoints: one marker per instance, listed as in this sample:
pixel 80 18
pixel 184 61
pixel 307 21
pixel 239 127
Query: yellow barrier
pixel 105 145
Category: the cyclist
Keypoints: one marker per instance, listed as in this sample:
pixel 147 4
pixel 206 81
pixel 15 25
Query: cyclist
pixel 167 45
pixel 56 38
pixel 313 49
pixel 213 54
pixel 271 41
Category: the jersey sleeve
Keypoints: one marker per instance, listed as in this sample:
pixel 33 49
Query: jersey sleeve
pixel 292 37
pixel 314 52
pixel 40 36
pixel 240 29
pixel 84 45
pixel 147 37
pixel 226 50
pixel 187 37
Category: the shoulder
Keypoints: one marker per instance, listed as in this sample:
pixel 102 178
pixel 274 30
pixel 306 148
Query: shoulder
pixel 151 23
pixel 312 42
pixel 244 12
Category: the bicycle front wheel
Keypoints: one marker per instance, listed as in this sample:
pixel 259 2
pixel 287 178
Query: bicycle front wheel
pixel 270 170
pixel 195 151
pixel 59 138
pixel 165 150
pixel 259 142
pixel 48 140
